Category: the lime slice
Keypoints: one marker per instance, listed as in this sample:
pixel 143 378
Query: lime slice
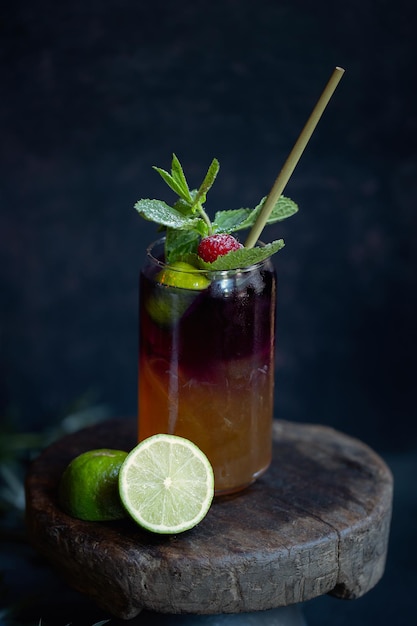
pixel 183 275
pixel 166 484
pixel 88 487
pixel 166 305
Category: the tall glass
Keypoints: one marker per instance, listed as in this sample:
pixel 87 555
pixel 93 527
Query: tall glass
pixel 206 365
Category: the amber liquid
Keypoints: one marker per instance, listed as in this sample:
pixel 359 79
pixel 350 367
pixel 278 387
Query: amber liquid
pixel 206 370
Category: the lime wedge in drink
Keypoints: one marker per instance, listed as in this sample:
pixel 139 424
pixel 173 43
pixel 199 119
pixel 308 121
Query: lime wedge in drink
pixel 177 287
pixel 183 275
pixel 166 484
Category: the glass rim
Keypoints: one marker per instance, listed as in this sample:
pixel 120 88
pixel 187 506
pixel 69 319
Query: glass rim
pixel 223 273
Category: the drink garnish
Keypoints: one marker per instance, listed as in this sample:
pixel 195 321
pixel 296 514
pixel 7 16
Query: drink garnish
pixel 182 274
pixel 213 246
pixel 186 222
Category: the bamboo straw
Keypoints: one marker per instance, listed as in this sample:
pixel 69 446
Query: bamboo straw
pixel 293 157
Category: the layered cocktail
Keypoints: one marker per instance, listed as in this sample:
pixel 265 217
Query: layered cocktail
pixel 207 331
pixel 206 367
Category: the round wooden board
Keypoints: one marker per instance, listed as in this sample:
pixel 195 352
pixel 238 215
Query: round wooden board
pixel 317 522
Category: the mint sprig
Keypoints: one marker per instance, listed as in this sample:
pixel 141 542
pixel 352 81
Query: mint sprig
pixel 186 222
pixel 243 257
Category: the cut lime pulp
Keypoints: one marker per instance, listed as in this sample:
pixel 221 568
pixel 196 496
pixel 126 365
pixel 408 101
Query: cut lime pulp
pixel 166 484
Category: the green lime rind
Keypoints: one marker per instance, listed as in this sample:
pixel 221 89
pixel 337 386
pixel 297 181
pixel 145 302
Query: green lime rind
pixel 166 306
pixel 88 488
pixel 184 275
pixel 164 310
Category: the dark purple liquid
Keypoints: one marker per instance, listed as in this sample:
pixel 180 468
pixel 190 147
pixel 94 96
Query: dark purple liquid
pixel 212 325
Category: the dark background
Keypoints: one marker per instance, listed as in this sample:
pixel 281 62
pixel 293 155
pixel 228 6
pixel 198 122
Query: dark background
pixel 94 93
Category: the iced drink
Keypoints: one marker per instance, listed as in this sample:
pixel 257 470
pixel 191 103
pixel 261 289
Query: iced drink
pixel 207 328
pixel 206 364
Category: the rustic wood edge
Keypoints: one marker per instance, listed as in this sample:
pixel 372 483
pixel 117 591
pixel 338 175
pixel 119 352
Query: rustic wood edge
pixel 350 581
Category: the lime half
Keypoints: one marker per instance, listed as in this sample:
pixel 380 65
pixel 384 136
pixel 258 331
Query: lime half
pixel 166 484
pixel 88 488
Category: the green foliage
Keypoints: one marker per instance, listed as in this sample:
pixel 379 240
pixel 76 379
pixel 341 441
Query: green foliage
pixel 186 222
pixel 243 257
pixel 241 219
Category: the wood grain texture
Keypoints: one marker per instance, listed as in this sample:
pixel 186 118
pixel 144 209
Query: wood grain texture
pixel 317 522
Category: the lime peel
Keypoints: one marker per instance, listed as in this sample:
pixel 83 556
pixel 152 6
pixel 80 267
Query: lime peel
pixel 88 487
pixel 184 275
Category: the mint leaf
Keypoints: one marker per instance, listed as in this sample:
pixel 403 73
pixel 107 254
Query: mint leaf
pixel 244 257
pixel 170 181
pixel 183 206
pixel 189 206
pixel 179 244
pixel 176 180
pixel 161 213
pixel 239 219
pixel 283 208
pixel 208 181
pixel 179 177
pixel 230 220
pixel 187 221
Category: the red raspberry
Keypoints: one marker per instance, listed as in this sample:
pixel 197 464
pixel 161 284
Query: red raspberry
pixel 213 246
